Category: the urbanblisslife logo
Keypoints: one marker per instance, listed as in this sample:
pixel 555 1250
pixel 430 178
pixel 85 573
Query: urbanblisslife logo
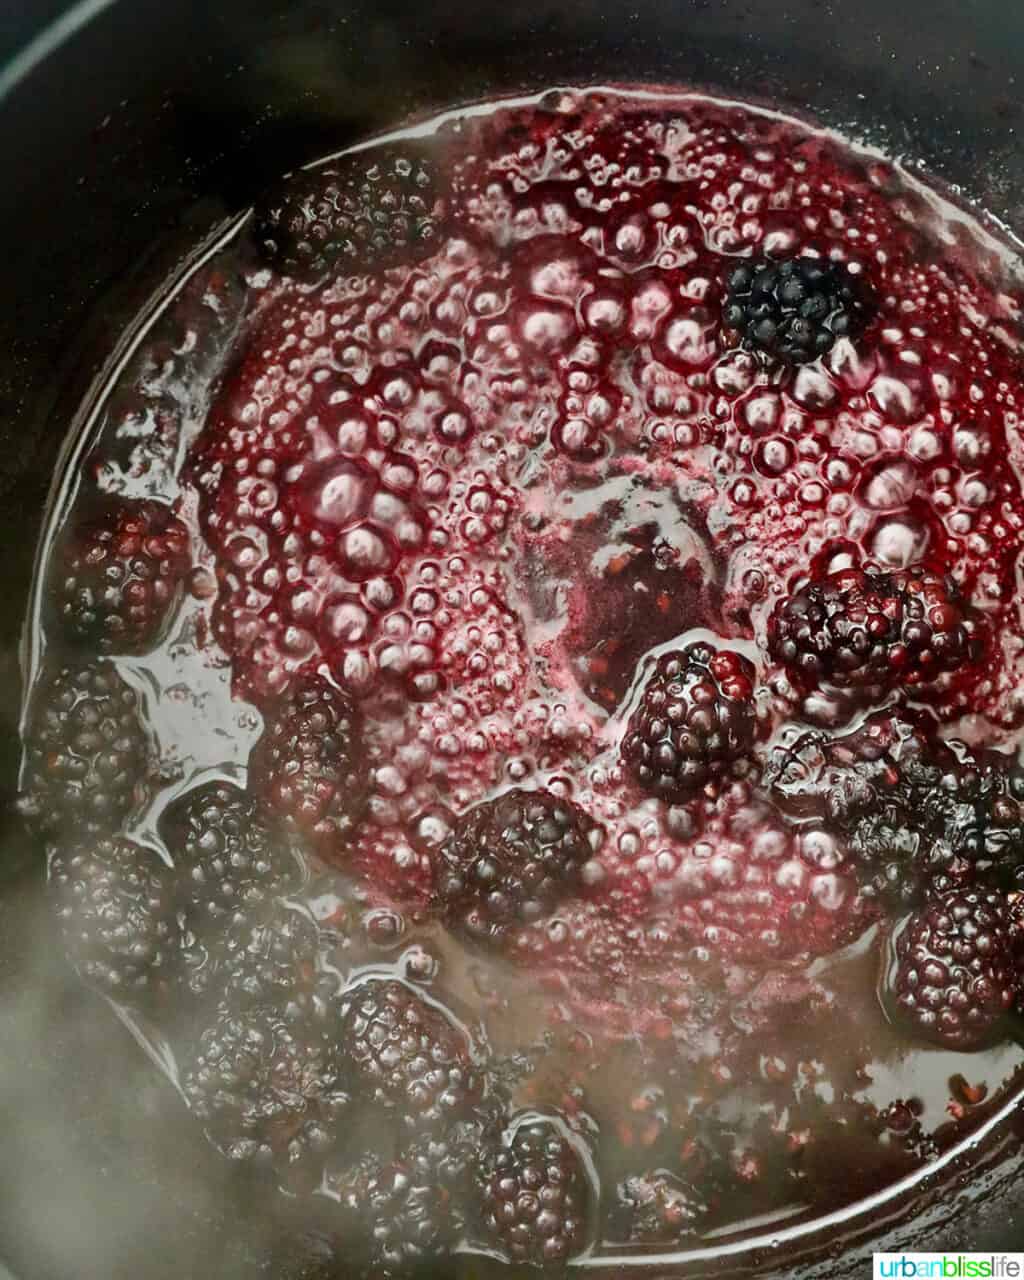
pixel 948 1266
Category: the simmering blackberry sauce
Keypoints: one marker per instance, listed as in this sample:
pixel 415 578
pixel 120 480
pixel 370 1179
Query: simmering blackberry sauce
pixel 526 684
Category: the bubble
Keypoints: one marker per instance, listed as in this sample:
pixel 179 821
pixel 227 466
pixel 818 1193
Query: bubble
pixel 899 542
pixel 547 328
pixel 774 456
pixel 604 312
pixel 341 493
pixel 761 413
pixel 559 277
pixel 690 341
pixel 894 399
pixel 971 445
pixel 651 303
pixel 890 485
pixel 813 389
pixel 384 928
pixel 454 427
pixel 366 551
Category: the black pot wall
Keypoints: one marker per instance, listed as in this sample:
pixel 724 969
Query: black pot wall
pixel 124 145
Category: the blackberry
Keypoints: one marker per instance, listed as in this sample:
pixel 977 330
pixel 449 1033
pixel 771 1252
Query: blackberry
pixel 116 907
pixel 657 1208
pixel 860 629
pixel 954 978
pixel 86 755
pixel 796 309
pixel 118 574
pixel 408 1055
pixel 535 1197
pixel 402 1212
pixel 307 767
pixel 919 815
pixel 510 861
pixel 363 212
pixel 695 721
pixel 270 957
pixel 228 862
pixel 266 1089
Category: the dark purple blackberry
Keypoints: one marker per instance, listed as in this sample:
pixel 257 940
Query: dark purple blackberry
pixel 269 958
pixel 402 1212
pixel 657 1208
pixel 266 1089
pixel 407 1055
pixel 360 213
pixel 117 575
pixel 953 978
pixel 86 755
pixel 919 815
pixel 228 863
pixel 860 629
pixel 535 1197
pixel 115 903
pixel 307 769
pixel 272 959
pixel 695 721
pixel 796 309
pixel 510 861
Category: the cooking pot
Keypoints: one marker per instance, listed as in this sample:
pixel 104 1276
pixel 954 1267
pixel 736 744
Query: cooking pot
pixel 129 133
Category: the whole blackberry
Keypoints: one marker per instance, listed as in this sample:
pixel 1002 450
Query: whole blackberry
pixel 535 1197
pixel 995 838
pixel 266 1089
pixel 307 767
pixel 695 721
pixel 510 861
pixel 117 575
pixel 228 863
pixel 657 1208
pixel 116 907
pixel 269 958
pixel 953 978
pixel 402 1212
pixel 916 829
pixel 862 629
pixel 919 815
pixel 86 753
pixel 796 309
pixel 362 212
pixel 408 1055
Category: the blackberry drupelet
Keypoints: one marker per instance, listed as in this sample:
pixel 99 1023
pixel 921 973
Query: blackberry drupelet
pixel 118 575
pixel 363 212
pixel 307 767
pixel 536 1196
pixel 954 976
pixel 86 754
pixel 657 1208
pixel 115 903
pixel 229 864
pixel 795 310
pixel 266 1089
pixel 695 721
pixel 510 861
pixel 862 629
pixel 407 1055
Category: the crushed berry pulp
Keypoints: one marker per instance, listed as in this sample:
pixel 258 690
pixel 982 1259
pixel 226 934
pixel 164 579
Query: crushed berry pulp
pixel 529 643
